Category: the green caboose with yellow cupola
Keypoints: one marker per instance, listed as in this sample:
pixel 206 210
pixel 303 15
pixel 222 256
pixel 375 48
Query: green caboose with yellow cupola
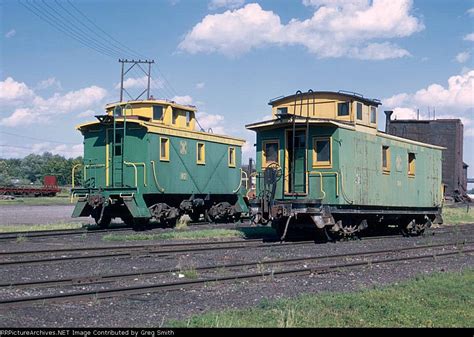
pixel 322 163
pixel 144 160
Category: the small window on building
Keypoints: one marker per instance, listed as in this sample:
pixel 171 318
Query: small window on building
pixel 373 114
pixel 157 112
pixel 231 156
pixel 270 152
pixel 175 116
pixel 201 153
pixel 343 109
pixel 411 164
pixel 282 111
pixel 359 111
pixel 386 159
pixel 118 111
pixel 188 118
pixel 164 149
pixel 322 156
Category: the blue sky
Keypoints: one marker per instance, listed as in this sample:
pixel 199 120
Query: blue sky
pixel 229 57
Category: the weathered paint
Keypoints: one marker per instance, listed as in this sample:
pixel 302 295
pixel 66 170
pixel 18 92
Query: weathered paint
pixel 356 176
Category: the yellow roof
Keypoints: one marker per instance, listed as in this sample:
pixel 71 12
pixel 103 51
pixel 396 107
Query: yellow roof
pixel 153 102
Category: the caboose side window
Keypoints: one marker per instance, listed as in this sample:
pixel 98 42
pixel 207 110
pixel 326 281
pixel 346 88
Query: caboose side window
pixel 157 112
pixel 175 116
pixel 188 118
pixel 322 152
pixel 231 156
pixel 386 159
pixel 359 111
pixel 373 114
pixel 164 149
pixel 411 164
pixel 201 153
pixel 270 149
pixel 343 109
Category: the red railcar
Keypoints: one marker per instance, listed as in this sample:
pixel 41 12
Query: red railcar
pixel 49 189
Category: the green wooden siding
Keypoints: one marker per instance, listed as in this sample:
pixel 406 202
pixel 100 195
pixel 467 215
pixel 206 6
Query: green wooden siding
pixel 357 170
pixel 181 174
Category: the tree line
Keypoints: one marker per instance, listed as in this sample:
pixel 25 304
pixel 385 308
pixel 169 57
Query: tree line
pixel 32 169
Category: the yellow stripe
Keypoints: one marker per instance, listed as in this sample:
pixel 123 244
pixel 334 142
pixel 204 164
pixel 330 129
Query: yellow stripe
pixel 170 131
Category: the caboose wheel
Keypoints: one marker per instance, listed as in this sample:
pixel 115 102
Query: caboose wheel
pixel 331 235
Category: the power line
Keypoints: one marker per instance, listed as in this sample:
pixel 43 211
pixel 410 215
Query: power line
pixel 103 31
pixel 104 46
pixel 33 9
pixel 40 139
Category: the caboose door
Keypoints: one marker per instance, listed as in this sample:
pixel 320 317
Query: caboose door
pixel 295 162
pixel 115 157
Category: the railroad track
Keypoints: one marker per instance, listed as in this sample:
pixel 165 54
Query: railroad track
pixel 162 249
pixel 167 286
pixel 134 250
pixel 80 231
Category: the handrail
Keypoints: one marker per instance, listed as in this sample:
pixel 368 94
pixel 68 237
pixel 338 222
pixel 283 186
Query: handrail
pixel 246 178
pixel 240 181
pixel 72 173
pixel 342 190
pixel 321 183
pixel 332 172
pixel 136 171
pixel 161 189
pixel 90 166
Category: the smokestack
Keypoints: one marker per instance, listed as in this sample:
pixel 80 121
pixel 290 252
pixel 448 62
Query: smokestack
pixel 388 118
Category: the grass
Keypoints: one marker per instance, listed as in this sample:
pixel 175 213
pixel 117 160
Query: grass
pixel 178 235
pixel 217 233
pixel 455 215
pixel 438 300
pixel 39 201
pixel 36 228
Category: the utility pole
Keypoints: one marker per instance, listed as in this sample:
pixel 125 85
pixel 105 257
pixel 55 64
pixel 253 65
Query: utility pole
pixel 124 73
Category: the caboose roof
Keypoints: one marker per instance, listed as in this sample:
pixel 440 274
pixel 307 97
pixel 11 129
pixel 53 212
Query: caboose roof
pixel 153 102
pixel 340 93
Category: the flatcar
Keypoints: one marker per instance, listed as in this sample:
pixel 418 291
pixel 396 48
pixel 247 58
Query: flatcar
pixel 144 161
pixel 322 162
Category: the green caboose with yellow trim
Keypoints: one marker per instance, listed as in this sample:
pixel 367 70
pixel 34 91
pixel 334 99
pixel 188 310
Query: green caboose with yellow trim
pixel 321 162
pixel 144 160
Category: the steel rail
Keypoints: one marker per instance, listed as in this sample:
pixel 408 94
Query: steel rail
pixel 80 231
pixel 225 245
pixel 96 279
pixel 133 250
pixel 59 232
pixel 114 292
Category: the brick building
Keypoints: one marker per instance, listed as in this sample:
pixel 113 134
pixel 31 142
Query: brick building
pixel 442 132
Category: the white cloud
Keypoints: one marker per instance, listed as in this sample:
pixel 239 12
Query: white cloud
pixel 11 33
pixel 68 151
pixel 36 109
pixel 12 91
pixel 230 4
pixel 200 85
pixel 454 101
pixel 184 100
pixel 51 82
pixel 340 29
pixel 470 11
pixel 463 56
pixel 209 121
pixel 469 37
